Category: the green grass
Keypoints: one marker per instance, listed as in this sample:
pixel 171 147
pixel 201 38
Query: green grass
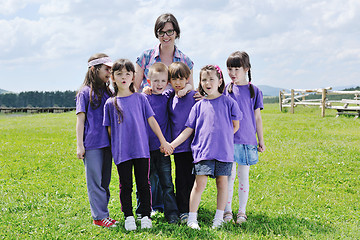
pixel 306 185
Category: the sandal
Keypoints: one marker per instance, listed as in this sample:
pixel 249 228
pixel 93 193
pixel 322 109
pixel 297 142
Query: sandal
pixel 241 217
pixel 228 216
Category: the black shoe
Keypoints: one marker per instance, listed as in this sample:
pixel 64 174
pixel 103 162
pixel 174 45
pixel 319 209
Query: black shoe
pixel 173 219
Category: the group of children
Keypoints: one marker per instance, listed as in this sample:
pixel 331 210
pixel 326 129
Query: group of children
pixel 206 137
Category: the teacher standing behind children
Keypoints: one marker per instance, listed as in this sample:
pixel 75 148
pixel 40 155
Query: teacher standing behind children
pixel 167 30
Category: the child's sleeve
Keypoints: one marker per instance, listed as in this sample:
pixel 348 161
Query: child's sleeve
pixel 106 118
pixel 81 102
pixel 191 121
pixel 258 100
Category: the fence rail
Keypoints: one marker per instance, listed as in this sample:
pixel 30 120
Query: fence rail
pixel 36 109
pixel 349 106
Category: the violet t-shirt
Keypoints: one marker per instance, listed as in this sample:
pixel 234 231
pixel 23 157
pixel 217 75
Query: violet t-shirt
pixel 247 131
pixel 158 103
pixel 179 109
pixel 129 139
pixel 95 134
pixel 211 120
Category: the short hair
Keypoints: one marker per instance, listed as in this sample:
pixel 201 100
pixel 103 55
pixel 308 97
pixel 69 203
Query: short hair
pixel 162 20
pixel 157 67
pixel 178 70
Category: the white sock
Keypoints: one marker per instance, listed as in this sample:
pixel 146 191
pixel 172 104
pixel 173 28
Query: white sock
pixel 231 180
pixel 219 214
pixel 243 175
pixel 192 217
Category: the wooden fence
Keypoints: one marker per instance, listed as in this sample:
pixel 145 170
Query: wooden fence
pixel 36 109
pixel 349 106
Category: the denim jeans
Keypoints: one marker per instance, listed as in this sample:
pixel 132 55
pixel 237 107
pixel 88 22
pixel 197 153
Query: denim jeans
pixel 162 165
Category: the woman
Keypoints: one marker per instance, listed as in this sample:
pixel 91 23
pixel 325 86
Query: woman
pixel 167 30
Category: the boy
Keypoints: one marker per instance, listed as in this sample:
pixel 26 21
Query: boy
pixel 179 108
pixel 159 164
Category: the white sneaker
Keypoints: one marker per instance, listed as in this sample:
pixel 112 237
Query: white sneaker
pixel 217 222
pixel 146 222
pixel 193 225
pixel 130 224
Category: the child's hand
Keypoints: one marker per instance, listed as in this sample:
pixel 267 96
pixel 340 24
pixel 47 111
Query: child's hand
pixel 261 147
pixel 167 149
pixel 80 152
pixel 198 96
pixel 147 90
pixel 182 93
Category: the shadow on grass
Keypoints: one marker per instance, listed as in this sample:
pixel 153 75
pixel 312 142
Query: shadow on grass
pixel 282 225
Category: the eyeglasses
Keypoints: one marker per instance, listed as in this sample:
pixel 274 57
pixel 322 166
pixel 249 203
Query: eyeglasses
pixel 169 32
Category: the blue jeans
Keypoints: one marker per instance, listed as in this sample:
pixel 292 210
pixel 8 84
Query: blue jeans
pixel 162 165
pixel 98 163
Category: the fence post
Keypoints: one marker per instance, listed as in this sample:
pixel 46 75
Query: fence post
pixel 280 100
pixel 323 99
pixel 292 101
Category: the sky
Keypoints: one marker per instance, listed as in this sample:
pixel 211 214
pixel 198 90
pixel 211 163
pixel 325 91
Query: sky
pixel 302 44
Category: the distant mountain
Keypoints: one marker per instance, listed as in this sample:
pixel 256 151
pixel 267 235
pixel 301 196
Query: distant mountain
pixel 3 91
pixel 270 91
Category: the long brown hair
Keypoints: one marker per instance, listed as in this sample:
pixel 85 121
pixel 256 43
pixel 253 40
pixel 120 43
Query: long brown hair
pixel 118 66
pixel 240 59
pixel 97 86
pixel 219 74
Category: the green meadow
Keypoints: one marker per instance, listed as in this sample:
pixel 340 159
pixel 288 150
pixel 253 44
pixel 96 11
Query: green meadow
pixel 306 185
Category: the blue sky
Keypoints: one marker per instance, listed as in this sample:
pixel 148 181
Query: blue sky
pixel 44 45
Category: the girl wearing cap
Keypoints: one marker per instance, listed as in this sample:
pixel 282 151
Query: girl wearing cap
pixel 93 144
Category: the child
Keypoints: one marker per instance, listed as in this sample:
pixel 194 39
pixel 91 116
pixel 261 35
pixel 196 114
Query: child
pixel 160 164
pixel 93 144
pixel 214 120
pixel 250 101
pixel 179 109
pixel 126 117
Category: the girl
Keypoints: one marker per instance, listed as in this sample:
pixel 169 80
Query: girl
pixel 250 101
pixel 93 144
pixel 126 117
pixel 214 120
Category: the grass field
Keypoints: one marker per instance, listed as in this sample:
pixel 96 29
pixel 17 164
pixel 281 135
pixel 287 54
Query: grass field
pixel 306 185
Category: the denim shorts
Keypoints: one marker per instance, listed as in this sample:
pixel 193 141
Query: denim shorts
pixel 212 168
pixel 246 154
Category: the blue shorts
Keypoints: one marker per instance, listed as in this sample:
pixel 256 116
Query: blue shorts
pixel 212 168
pixel 246 154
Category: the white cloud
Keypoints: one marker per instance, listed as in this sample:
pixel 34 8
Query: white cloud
pixel 291 43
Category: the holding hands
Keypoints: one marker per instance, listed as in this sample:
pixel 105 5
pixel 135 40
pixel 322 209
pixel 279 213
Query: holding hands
pixel 167 149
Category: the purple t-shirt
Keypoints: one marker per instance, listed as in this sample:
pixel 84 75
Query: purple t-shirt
pixel 95 134
pixel 158 103
pixel 129 139
pixel 247 131
pixel 214 132
pixel 179 109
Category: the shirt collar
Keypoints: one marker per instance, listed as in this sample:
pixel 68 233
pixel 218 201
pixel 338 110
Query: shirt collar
pixel 157 52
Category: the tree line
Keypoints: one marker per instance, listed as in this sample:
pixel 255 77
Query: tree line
pixel 38 99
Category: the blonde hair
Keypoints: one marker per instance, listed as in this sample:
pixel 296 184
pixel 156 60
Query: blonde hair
pixel 157 67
